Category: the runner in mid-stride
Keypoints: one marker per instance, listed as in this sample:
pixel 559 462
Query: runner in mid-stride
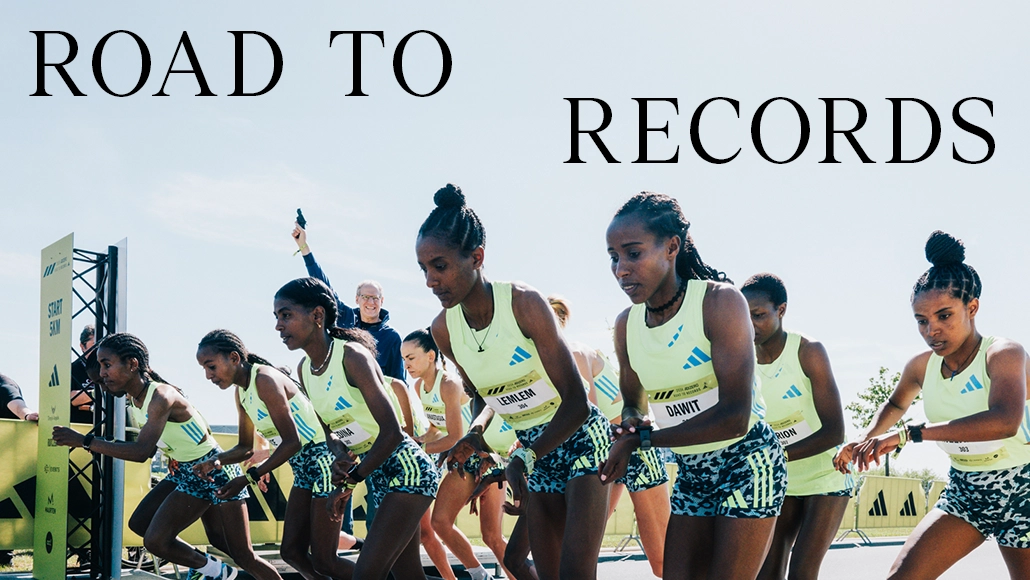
pixel 686 347
pixel 803 408
pixel 974 395
pixel 168 421
pixel 507 346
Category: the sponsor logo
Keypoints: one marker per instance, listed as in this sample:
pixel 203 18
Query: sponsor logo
pixel 342 404
pixel 676 336
pixel 793 392
pixel 519 356
pixel 697 358
pixel 55 380
pixel 971 385
pixel 49 269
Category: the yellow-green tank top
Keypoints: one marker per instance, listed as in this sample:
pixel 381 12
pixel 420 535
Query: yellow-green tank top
pixel 946 399
pixel 790 411
pixel 180 441
pixel 341 405
pixel 606 386
pixel 418 416
pixel 301 411
pixel 674 364
pixel 436 410
pixel 507 373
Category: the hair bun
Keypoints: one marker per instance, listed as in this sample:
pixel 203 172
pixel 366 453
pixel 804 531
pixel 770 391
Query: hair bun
pixel 943 249
pixel 449 196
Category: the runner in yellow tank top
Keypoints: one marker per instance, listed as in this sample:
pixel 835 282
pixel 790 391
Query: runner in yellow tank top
pixel 270 403
pixel 505 340
pixel 646 476
pixel 686 348
pixel 975 395
pixel 168 421
pixel 446 404
pixel 346 388
pixel 803 408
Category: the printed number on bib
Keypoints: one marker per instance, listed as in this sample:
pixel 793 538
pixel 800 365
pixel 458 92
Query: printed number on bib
pixel 524 399
pixel 678 404
pixel 791 429
pixel 352 434
pixel 974 453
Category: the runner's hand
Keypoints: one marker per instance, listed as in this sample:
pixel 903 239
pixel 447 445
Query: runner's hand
pixel 233 488
pixel 336 503
pixel 203 470
pixel 341 465
pixel 629 425
pixel 469 445
pixel 517 481
pixel 872 449
pixel 842 461
pixel 67 437
pixel 497 478
pixel 618 458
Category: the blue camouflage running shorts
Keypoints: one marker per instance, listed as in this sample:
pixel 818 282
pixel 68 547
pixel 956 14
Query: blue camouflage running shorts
pixel 645 470
pixel 186 482
pixel 313 469
pixel 580 454
pixel 996 503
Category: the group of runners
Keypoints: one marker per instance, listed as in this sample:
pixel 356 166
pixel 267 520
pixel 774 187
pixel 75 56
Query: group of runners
pixel 708 379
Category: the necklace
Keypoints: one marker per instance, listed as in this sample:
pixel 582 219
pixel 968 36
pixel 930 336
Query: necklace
pixel 328 356
pixel 964 363
pixel 679 294
pixel 486 335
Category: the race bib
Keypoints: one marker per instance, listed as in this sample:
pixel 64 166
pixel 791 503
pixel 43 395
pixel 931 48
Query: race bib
pixel 671 407
pixel 352 434
pixel 792 429
pixel 975 453
pixel 523 400
pixel 438 419
pixel 274 439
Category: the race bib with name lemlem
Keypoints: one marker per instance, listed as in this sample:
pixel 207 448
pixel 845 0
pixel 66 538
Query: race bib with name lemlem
pixel 523 399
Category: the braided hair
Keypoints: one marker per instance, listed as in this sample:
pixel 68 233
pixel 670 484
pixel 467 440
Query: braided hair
pixel 663 217
pixel 423 337
pixel 949 271
pixel 128 346
pixel 311 292
pixel 454 222
pixel 768 284
pixel 225 342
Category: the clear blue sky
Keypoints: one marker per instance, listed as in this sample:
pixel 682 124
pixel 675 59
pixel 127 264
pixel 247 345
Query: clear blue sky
pixel 205 188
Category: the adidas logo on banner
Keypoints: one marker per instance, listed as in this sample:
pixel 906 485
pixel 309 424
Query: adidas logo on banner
pixel 342 404
pixel 971 385
pixel 793 392
pixel 697 358
pixel 54 379
pixel 879 506
pixel 676 336
pixel 910 506
pixel 519 356
pixel 49 270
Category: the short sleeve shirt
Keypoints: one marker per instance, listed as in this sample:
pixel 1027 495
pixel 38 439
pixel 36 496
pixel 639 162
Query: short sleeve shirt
pixel 9 391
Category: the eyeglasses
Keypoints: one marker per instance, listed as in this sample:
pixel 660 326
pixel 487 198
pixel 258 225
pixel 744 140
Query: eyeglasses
pixel 368 298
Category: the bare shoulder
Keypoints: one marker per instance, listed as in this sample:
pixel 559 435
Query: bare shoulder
pixel 721 295
pixel 1004 349
pixel 525 297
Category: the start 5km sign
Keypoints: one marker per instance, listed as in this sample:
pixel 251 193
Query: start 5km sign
pixel 55 343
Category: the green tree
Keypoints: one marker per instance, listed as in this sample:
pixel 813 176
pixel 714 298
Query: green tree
pixel 879 391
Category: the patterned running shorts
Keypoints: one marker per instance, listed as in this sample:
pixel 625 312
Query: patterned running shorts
pixel 645 470
pixel 747 479
pixel 580 454
pixel 313 469
pixel 996 503
pixel 408 470
pixel 203 489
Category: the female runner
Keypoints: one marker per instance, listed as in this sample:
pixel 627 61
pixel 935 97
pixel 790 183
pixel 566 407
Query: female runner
pixel 270 402
pixel 445 404
pixel 686 346
pixel 646 476
pixel 974 395
pixel 507 345
pixel 345 385
pixel 167 420
pixel 803 408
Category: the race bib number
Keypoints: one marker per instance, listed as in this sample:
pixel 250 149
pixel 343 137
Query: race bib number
pixel 525 399
pixel 678 404
pixel 792 429
pixel 975 453
pixel 352 434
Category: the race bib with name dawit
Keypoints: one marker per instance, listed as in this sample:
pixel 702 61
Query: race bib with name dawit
pixel 792 429
pixel 352 434
pixel 678 404
pixel 523 400
pixel 975 453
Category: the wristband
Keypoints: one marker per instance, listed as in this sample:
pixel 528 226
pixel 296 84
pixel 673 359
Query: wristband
pixel 87 441
pixel 252 475
pixel 902 436
pixel 915 432
pixel 645 437
pixel 528 457
pixel 352 474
